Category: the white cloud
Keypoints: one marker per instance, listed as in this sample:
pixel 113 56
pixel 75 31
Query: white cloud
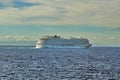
pixel 112 38
pixel 94 12
pixel 18 38
pixel 6 2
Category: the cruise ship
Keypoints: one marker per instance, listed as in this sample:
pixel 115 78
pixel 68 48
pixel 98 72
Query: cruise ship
pixel 59 42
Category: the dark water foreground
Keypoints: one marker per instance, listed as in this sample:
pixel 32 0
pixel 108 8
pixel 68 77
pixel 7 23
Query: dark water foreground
pixel 60 64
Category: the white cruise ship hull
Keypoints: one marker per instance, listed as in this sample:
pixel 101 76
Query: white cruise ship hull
pixel 58 42
pixel 50 46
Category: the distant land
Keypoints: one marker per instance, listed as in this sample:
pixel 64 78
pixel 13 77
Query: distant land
pixel 33 43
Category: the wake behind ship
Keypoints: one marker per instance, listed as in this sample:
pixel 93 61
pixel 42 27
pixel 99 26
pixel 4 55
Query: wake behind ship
pixel 58 42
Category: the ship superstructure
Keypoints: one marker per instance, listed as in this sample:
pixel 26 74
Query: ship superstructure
pixel 58 42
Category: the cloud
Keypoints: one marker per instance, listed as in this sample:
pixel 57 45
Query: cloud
pixel 5 3
pixel 112 38
pixel 91 12
pixel 18 38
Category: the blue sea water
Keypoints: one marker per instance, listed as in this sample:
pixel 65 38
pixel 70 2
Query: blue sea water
pixel 29 63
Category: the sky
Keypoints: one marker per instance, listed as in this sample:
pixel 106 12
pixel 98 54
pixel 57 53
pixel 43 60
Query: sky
pixel 28 20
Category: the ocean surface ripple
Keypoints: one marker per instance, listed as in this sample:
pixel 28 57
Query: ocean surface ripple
pixel 96 63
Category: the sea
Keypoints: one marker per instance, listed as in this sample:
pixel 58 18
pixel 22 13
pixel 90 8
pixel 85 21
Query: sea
pixel 29 63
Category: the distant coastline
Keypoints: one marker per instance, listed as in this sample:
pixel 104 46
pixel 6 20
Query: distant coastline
pixel 32 44
pixel 12 45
